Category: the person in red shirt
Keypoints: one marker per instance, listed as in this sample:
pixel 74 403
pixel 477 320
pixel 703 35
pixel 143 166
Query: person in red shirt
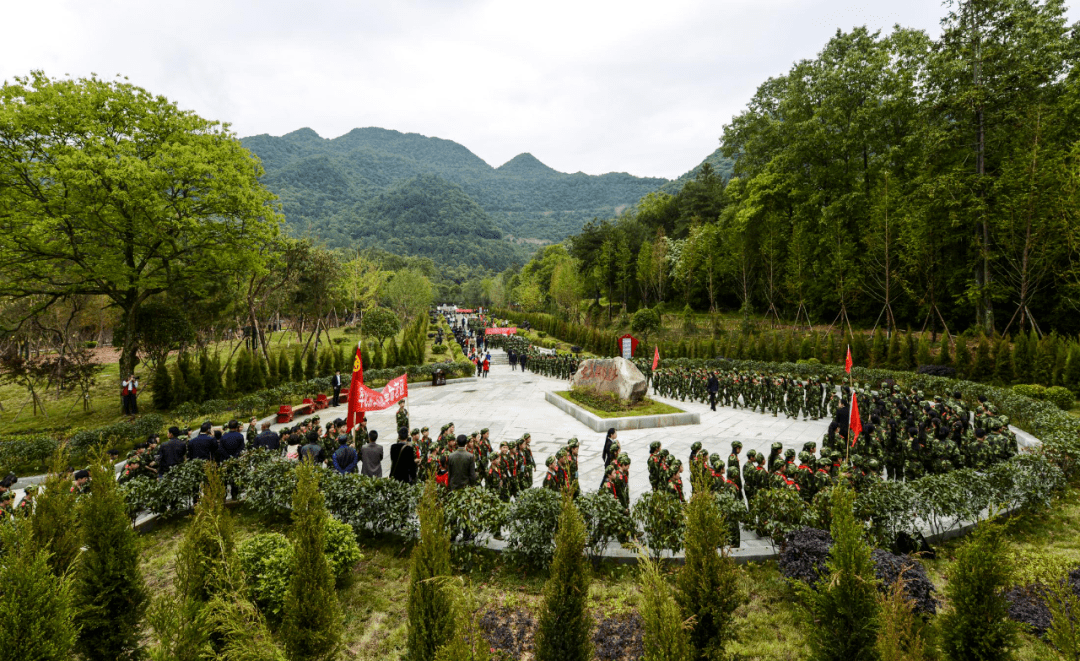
pixel 487 366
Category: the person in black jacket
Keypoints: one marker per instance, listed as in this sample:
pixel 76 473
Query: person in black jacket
pixel 312 449
pixel 335 381
pixel 608 456
pixel 403 459
pixel 713 386
pixel 232 443
pixel 171 453
pixel 345 458
pixel 203 446
pixel 267 439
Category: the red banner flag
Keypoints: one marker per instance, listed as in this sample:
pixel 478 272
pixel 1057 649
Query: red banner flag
pixel 355 385
pixel 847 361
pixel 855 423
pixel 501 331
pixel 372 400
pixel 656 357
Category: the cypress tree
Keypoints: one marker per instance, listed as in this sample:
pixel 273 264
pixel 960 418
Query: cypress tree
pixel 564 626
pixel 879 350
pixel 259 374
pixel 310 365
pixel 707 583
pixel 790 354
pixel 1032 351
pixel 284 374
pixel 895 356
pixel 1061 354
pixel 243 372
pixel 297 371
pixel 391 357
pixel 860 352
pixel 54 526
pixel 208 542
pixel 665 638
pixel 326 362
pixel 231 386
pixel 193 377
pixel 312 623
pixel 963 355
pixel 943 355
pixel 911 350
pixel 845 606
pixel 1019 359
pixel 983 368
pixel 1072 369
pixel 37 614
pixel 342 362
pixel 377 357
pixel 273 378
pixel 1003 365
pixel 109 588
pixel 1045 357
pixel 162 387
pixel 430 608
pixel 977 627
pixel 806 348
pixel 923 357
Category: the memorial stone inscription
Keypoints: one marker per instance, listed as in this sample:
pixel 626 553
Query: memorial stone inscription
pixel 611 375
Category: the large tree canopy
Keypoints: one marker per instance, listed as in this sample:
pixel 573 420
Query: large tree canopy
pixel 108 189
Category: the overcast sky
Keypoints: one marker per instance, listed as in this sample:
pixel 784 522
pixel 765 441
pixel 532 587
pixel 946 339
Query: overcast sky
pixel 639 87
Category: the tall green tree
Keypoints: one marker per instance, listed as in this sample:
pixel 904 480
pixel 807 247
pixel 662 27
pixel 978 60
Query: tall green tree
pixel 106 189
pixel 109 588
pixel 431 616
pixel 564 626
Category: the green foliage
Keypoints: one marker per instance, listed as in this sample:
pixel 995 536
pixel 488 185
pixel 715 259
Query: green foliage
pixel 36 607
pixel 977 626
pixel 845 608
pixel 310 366
pixel 665 638
pixel 531 523
pixel 468 642
pixel 645 322
pixel 208 542
pixel 660 516
pixel 162 387
pixel 311 628
pixel 605 520
pixel 901 633
pixel 431 619
pixel 707 583
pixel 109 588
pixel 266 559
pixel 564 626
pixel 1064 631
pixel 1060 397
pixel 776 512
pixel 54 526
pixel 342 551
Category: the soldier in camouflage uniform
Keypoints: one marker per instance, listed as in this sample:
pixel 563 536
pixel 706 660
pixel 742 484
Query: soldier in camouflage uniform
pixel 653 464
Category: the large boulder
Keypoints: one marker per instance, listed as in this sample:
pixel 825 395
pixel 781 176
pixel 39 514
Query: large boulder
pixel 611 375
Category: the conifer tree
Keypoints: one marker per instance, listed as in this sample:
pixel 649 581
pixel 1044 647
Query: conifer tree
pixel 325 362
pixel 977 626
pixel 564 627
pixel 911 350
pixel 284 373
pixel 1045 357
pixel 1003 365
pixel 258 372
pixel 273 378
pixel 54 526
pixel 845 606
pixel 665 637
pixel 963 356
pixel 879 349
pixel 377 357
pixel 310 365
pixel 231 385
pixel 162 387
pixel 311 628
pixel 297 370
pixel 923 358
pixel 391 357
pixel 193 376
pixel 430 607
pixel 982 369
pixel 943 354
pixel 895 357
pixel 109 588
pixel 707 582
pixel 208 541
pixel 1072 370
pixel 37 614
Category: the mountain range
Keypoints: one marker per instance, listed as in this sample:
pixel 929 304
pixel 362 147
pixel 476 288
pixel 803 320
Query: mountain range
pixel 419 195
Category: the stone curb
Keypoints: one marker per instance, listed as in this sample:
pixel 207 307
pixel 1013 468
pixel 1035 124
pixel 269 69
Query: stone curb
pixel 598 424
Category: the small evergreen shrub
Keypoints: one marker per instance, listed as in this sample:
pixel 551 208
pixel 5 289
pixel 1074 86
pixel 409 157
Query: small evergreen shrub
pixel 564 629
pixel 431 617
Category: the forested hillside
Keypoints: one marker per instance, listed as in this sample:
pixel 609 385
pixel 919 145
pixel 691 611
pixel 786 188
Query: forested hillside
pixel 723 166
pixel 321 182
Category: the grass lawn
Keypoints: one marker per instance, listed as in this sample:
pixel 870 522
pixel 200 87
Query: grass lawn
pixel 646 407
pixel 770 624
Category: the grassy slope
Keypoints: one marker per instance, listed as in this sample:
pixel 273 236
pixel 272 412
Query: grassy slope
pixel 770 625
pixel 64 414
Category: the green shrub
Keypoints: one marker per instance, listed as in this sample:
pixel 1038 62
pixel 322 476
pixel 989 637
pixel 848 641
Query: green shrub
pixel 1060 397
pixel 265 559
pixel 665 638
pixel 54 526
pixel 564 626
pixel 977 626
pixel 605 521
pixel 341 548
pixel 776 512
pixel 25 451
pixel 438 349
pixel 660 516
pixel 531 522
pixel 1033 391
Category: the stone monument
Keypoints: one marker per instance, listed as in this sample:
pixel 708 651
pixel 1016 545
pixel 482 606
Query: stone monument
pixel 618 376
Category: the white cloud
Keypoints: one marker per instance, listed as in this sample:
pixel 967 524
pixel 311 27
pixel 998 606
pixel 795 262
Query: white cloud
pixel 593 86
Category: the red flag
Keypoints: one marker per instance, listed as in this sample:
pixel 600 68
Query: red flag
pixel 355 387
pixel 855 423
pixel 847 361
pixel 656 357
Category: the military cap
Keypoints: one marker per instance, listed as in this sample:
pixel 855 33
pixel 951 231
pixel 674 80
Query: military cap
pixel 714 459
pixel 736 445
pixel 561 453
pixel 789 454
pixel 504 444
pixel 751 454
pixel 484 430
pixel 804 457
pixel 777 446
pixel 572 443
pixel 732 473
pixel 526 436
pixel 664 453
pixel 654 446
pixel 424 429
pixel 624 459
pixel 414 432
pixel 550 460
pixel 444 428
pixel 696 446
